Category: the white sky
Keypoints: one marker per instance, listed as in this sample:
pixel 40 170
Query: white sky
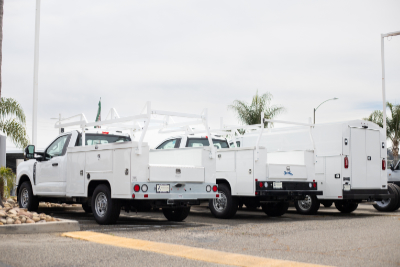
pixel 189 55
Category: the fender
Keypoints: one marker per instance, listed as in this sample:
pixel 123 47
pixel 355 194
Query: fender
pixel 26 168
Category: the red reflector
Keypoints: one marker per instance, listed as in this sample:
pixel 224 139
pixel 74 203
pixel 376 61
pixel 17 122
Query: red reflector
pixel 346 162
pixel 146 195
pixel 314 185
pixel 215 188
pixel 206 136
pixel 133 195
pixel 261 184
pixel 217 195
pixel 383 164
pixel 256 193
pixel 256 180
pixel 339 196
pixel 136 188
pixel 105 132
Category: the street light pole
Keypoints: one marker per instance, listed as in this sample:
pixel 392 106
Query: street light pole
pixel 35 74
pixel 383 76
pixel 315 109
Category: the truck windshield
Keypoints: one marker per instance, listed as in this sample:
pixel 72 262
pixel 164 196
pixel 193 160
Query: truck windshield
pixel 98 139
pixel 198 142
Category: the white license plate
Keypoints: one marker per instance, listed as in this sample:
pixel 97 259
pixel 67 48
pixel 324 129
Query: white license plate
pixel 162 188
pixel 277 185
pixel 346 187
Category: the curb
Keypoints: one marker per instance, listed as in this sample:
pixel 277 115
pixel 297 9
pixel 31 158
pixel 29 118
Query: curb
pixel 48 227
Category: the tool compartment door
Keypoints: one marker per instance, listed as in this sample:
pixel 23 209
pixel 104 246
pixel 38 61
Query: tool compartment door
pixel 374 161
pixel 225 161
pixel 358 158
pixel 180 174
pixel 245 172
pixel 76 174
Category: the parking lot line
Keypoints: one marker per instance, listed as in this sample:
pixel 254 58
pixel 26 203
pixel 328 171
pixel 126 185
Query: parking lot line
pixel 192 253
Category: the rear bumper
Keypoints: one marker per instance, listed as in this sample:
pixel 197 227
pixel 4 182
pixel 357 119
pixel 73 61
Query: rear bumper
pixel 289 190
pixel 367 194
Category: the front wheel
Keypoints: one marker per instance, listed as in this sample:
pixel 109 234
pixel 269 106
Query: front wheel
pixel 176 214
pixel 389 204
pixel 26 199
pixel 346 207
pixel 105 209
pixel 308 206
pixel 275 209
pixel 225 206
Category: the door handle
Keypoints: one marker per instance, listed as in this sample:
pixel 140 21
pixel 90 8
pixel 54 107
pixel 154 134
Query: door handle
pixel 54 164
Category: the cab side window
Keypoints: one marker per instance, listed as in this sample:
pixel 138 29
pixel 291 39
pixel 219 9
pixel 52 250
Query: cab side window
pixel 168 144
pixel 58 147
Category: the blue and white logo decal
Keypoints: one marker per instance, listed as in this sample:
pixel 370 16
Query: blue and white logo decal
pixel 287 172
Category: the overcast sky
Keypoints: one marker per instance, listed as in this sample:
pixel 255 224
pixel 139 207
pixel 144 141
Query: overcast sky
pixel 189 55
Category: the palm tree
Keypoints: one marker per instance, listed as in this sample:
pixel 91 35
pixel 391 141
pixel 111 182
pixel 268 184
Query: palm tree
pixel 12 121
pixel 392 126
pixel 251 114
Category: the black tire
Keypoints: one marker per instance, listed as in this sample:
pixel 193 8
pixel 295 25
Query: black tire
pixel 26 199
pixel 345 206
pixel 388 205
pixel 176 214
pixel 110 212
pixel 275 209
pixel 398 194
pixel 87 208
pixel 307 206
pixel 226 206
pixel 327 204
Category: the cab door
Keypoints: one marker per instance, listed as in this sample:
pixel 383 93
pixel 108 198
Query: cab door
pixel 50 178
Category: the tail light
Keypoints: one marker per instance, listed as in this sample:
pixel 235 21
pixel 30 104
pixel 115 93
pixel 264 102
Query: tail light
pixel 136 188
pixel 215 188
pixel 383 164
pixel 105 132
pixel 133 195
pixel 261 184
pixel 346 162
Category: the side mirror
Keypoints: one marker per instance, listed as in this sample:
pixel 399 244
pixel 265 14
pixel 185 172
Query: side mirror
pixel 29 152
pixel 392 166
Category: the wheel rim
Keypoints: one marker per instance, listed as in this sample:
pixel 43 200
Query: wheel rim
pixel 383 203
pixel 221 202
pixel 24 198
pixel 101 204
pixel 305 204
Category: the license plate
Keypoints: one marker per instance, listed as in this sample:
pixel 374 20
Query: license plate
pixel 346 187
pixel 277 185
pixel 162 188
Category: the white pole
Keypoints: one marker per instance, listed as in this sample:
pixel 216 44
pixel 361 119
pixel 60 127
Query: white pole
pixel 35 74
pixel 59 119
pixel 383 77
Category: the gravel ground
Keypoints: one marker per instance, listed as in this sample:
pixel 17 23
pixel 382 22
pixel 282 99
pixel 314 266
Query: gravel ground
pixel 363 238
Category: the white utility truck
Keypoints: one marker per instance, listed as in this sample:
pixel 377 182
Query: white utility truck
pixel 244 175
pixel 346 159
pixel 105 171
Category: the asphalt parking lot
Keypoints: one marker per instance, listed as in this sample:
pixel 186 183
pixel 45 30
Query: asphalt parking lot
pixel 363 238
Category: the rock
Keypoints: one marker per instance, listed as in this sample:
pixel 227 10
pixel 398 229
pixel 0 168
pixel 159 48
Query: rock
pixel 11 201
pixel 35 219
pixel 34 214
pixel 3 221
pixel 2 213
pixel 42 205
pixel 17 222
pixel 30 221
pixel 10 221
pixel 53 219
pixel 23 220
pixel 13 211
pixel 24 213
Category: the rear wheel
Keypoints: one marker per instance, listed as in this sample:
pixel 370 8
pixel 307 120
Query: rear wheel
pixel 345 206
pixel 26 199
pixel 176 214
pixel 105 209
pixel 275 209
pixel 225 206
pixel 389 204
pixel 308 206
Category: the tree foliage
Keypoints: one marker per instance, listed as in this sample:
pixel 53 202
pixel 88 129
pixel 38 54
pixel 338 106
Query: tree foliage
pixel 251 113
pixel 392 125
pixel 7 181
pixel 12 121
